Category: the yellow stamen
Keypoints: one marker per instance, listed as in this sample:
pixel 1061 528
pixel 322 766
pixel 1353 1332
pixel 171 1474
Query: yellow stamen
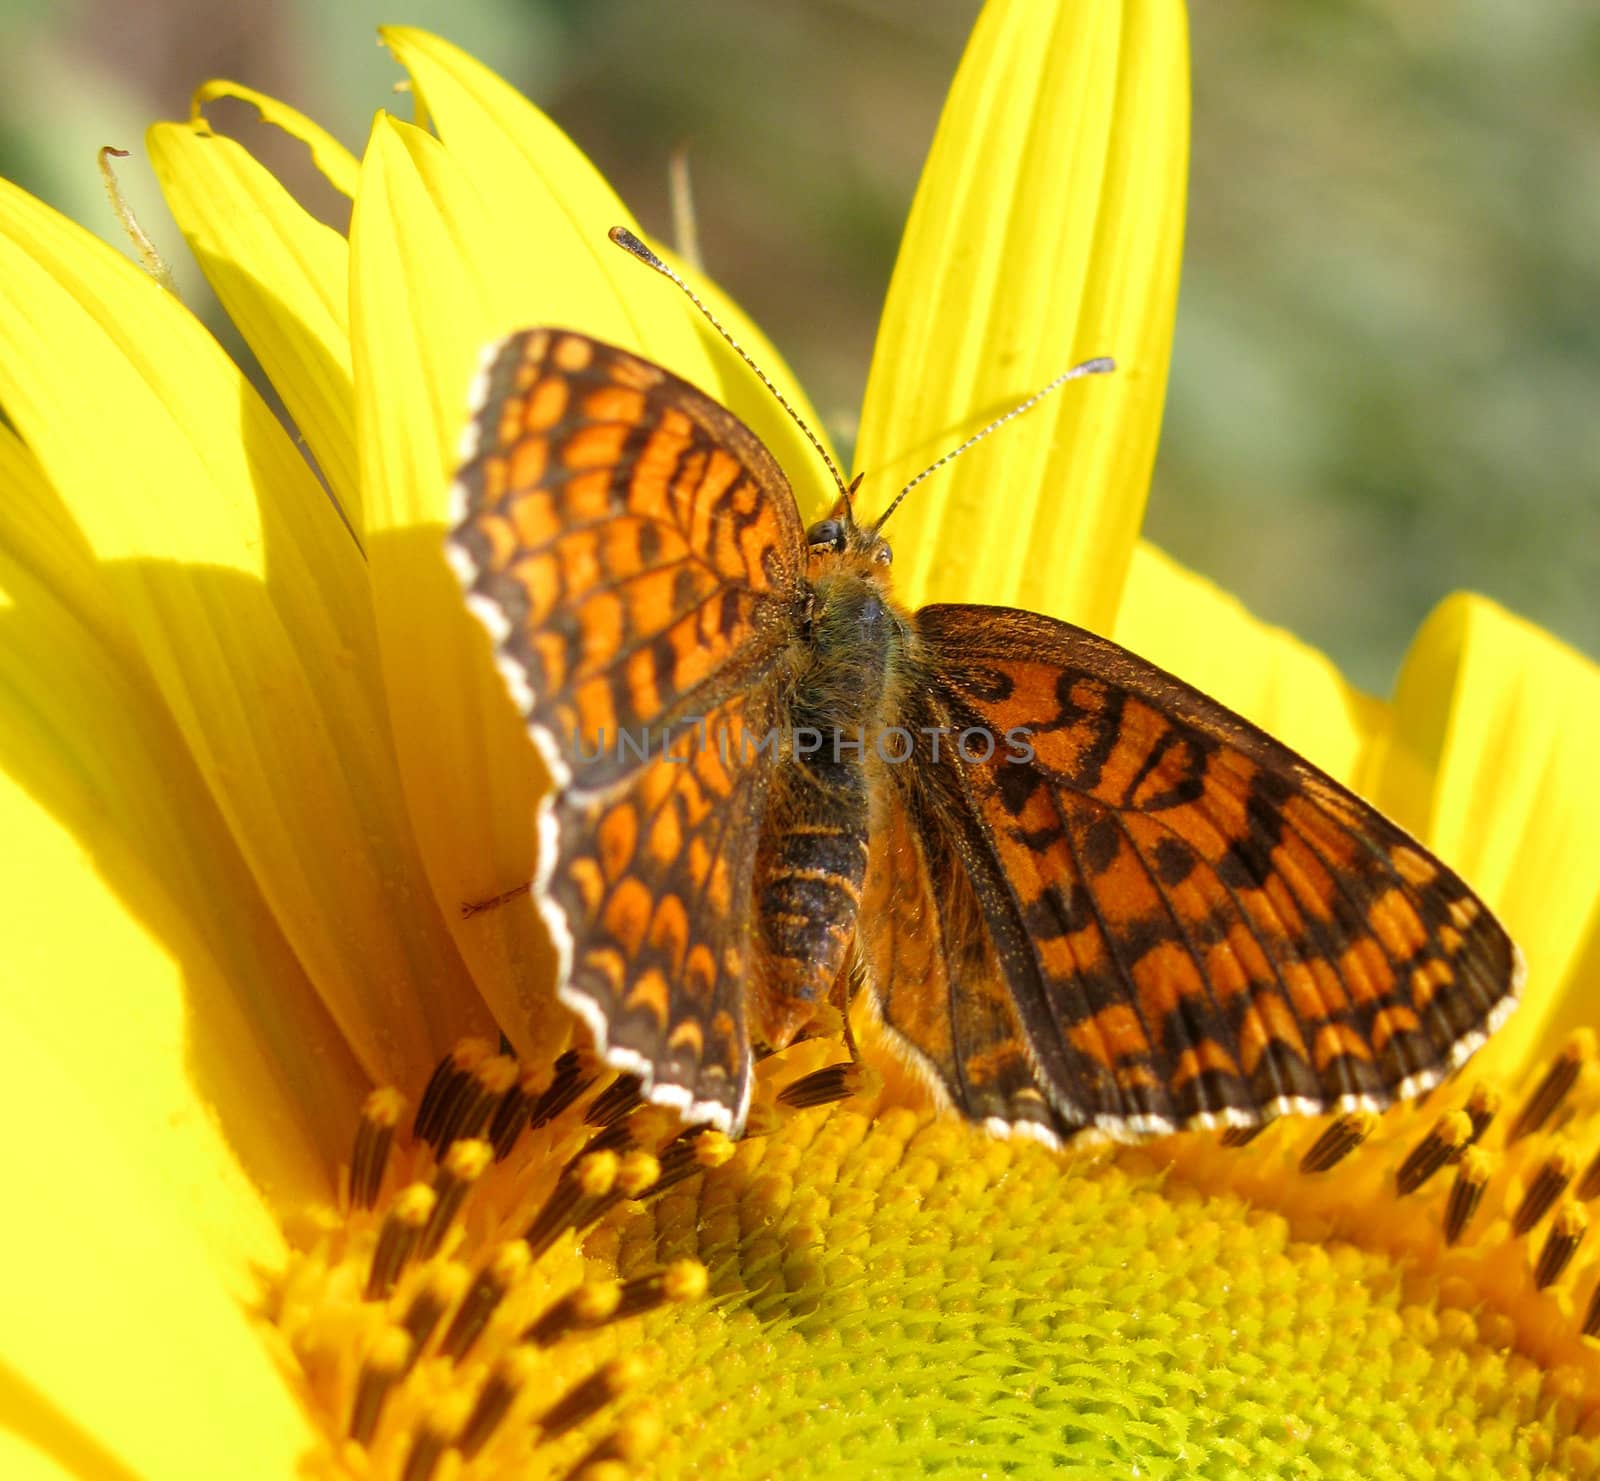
pixel 1567 1230
pixel 1558 1079
pixel 591 1305
pixel 598 1302
pixel 683 1280
pixel 638 1171
pixel 589 1177
pixel 386 1363
pixel 593 1394
pixel 1466 1193
pixel 1450 1133
pixel 834 1082
pixel 762 1121
pixel 397 1240
pixel 443 1286
pixel 380 1114
pixel 617 1457
pixel 621 1096
pixel 450 1079
pixel 506 1266
pixel 510 1117
pixel 1589 1183
pixel 464 1164
pixel 572 1078
pixel 596 1174
pixel 1548 1184
pixel 1341 1137
pixel 1483 1105
pixel 513 1373
pixel 477 1099
pixel 435 1435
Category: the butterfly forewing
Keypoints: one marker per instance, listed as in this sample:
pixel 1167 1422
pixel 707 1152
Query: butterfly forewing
pixel 1215 930
pixel 636 555
pixel 626 540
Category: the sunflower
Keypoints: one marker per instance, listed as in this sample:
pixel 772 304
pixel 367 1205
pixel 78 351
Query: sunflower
pixel 255 758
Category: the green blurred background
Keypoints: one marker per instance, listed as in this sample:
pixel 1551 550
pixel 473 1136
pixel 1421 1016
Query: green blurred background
pixel 1387 376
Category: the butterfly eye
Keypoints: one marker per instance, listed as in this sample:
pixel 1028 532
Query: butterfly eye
pixel 827 534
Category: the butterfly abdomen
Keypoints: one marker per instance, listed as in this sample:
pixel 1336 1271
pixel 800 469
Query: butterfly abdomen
pixel 809 874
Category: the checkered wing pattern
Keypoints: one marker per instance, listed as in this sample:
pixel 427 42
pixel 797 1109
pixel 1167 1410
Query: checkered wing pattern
pixel 1161 917
pixel 647 889
pixel 637 556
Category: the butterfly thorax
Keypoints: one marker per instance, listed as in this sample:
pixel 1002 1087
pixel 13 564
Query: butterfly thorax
pixel 854 636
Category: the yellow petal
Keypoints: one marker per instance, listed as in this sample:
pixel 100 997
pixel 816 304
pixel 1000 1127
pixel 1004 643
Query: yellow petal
pixel 1046 229
pixel 421 310
pixel 1490 760
pixel 550 210
pixel 130 928
pixel 337 164
pixel 58 1445
pixel 37 535
pixel 133 1237
pixel 1184 623
pixel 247 601
pixel 283 278
pixel 544 256
pixel 122 1343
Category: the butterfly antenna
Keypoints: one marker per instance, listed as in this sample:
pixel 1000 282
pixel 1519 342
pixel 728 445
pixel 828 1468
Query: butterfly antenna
pixel 1100 365
pixel 630 243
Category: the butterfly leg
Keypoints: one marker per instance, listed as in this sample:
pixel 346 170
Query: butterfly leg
pixel 850 981
pixel 470 908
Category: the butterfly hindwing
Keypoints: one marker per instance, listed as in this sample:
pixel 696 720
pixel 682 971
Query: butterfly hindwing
pixel 1194 924
pixel 935 977
pixel 635 554
pixel 647 893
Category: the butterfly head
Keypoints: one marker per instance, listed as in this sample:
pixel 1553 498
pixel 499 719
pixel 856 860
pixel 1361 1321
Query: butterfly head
pixel 840 537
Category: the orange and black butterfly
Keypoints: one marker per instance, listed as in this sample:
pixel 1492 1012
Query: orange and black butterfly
pixel 1076 892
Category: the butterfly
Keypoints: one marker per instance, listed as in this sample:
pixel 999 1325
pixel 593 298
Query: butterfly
pixel 1074 891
